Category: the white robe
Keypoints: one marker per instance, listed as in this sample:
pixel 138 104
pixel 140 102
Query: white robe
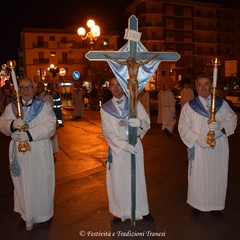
pixel 119 175
pixel 77 99
pixel 168 110
pixel 207 179
pixel 34 188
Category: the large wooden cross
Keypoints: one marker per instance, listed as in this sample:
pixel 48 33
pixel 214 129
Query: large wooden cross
pixel 138 56
pixel 132 51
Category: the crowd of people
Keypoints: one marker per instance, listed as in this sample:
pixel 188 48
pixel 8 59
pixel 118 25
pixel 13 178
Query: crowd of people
pixel 33 173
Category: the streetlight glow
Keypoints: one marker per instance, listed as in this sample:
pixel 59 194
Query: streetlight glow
pixel 96 31
pixel 54 70
pixel 81 31
pixel 90 23
pixel 93 34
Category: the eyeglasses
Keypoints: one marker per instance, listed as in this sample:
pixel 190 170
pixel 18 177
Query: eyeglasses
pixel 24 88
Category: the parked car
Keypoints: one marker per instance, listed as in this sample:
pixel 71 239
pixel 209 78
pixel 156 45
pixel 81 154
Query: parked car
pixel 233 99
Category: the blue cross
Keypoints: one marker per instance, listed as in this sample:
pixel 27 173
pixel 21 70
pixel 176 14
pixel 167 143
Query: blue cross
pixel 123 55
pixel 132 50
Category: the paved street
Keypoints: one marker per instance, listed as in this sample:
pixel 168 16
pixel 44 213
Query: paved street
pixel 81 207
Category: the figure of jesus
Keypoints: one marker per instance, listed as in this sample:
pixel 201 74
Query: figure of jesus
pixel 133 67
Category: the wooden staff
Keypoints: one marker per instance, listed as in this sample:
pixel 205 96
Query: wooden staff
pixel 211 134
pixel 23 146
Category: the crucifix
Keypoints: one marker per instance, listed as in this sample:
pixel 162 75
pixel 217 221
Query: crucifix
pixel 133 66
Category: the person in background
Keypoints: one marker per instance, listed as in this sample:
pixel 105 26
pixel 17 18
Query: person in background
pixel 77 98
pixel 168 110
pixel 6 95
pixel 44 95
pixel 186 93
pixel 94 98
pixel 57 106
pixel 32 171
pixel 208 167
pixel 114 117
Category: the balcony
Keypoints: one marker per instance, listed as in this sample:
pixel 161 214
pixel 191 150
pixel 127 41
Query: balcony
pixel 170 39
pixel 40 45
pixel 39 61
pixel 154 10
pixel 71 61
pixel 152 24
pixel 151 38
pixel 65 45
pixel 206 28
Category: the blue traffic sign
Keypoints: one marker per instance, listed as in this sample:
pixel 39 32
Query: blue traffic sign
pixel 76 75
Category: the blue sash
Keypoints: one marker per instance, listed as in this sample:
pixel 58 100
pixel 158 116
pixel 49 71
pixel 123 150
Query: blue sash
pixel 111 109
pixel 35 108
pixel 198 107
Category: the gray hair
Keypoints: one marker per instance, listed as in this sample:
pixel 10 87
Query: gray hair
pixel 27 79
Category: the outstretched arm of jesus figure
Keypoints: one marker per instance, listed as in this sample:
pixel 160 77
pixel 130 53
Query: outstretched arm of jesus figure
pixel 115 60
pixel 147 61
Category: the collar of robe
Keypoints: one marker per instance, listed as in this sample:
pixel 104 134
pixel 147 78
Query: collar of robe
pixel 35 109
pixel 26 104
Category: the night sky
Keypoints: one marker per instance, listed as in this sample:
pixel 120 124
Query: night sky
pixel 18 14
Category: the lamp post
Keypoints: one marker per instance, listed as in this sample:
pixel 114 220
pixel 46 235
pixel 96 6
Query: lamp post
pixel 54 70
pixel 93 34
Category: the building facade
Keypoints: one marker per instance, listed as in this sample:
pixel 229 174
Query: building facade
pixel 62 47
pixel 199 32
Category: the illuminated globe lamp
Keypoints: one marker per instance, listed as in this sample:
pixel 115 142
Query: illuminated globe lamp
pixel 54 70
pixel 93 34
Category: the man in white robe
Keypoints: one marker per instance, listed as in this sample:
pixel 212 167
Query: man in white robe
pixel 32 171
pixel 114 116
pixel 77 99
pixel 168 110
pixel 208 167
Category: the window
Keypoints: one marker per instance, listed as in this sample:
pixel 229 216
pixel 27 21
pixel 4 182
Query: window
pixel 211 51
pixel 41 55
pixel 199 50
pixel 65 57
pixel 52 38
pixel 169 21
pixel 154 47
pixel 40 41
pixel 52 53
pixel 63 39
pixel 105 42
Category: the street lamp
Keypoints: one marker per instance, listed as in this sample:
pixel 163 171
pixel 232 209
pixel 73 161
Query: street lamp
pixel 93 34
pixel 54 70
